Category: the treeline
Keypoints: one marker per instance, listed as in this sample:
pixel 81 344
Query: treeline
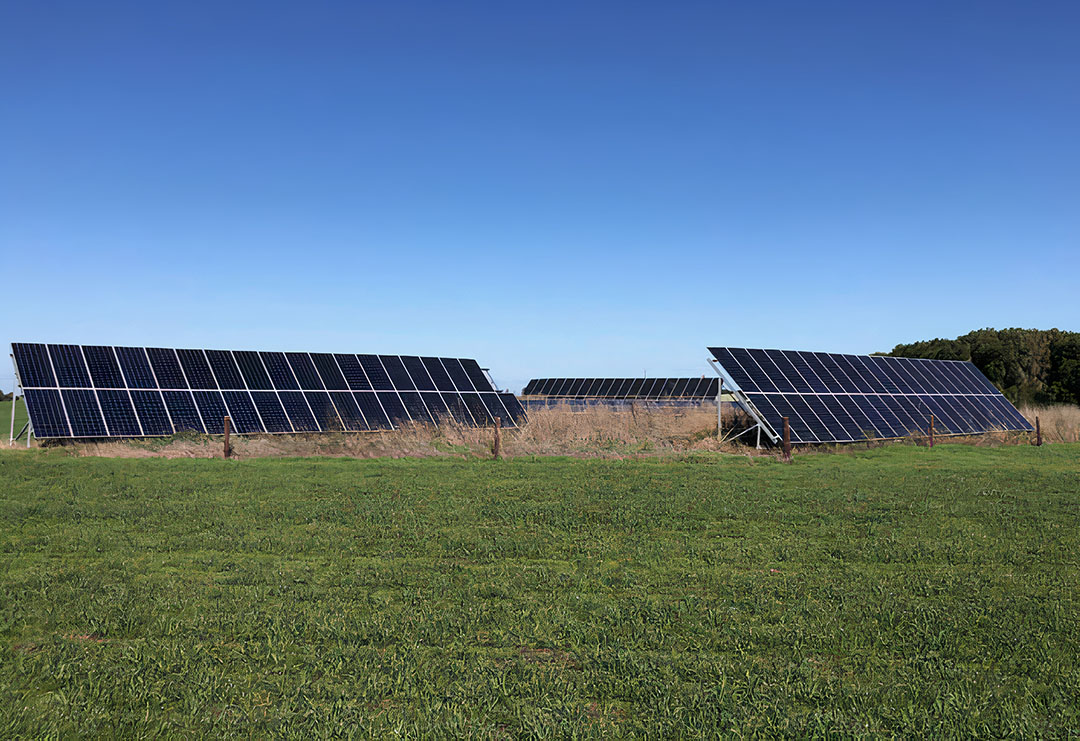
pixel 1030 366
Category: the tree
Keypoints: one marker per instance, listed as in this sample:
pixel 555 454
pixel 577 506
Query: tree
pixel 1028 365
pixel 1065 370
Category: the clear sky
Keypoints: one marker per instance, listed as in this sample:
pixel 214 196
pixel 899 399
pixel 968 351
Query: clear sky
pixel 555 188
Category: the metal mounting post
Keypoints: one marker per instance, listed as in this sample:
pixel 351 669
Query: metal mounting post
pixel 745 404
pixel 720 410
pixel 16 384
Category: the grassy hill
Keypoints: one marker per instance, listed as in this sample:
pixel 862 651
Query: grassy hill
pixel 895 591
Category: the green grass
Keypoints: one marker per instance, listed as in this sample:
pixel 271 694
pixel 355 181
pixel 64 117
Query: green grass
pixel 899 590
pixel 5 418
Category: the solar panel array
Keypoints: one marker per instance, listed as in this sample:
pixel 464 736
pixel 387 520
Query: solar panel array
pixel 102 391
pixel 624 388
pixel 842 398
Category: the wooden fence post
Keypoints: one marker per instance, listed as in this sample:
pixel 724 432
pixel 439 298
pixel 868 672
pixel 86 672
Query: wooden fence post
pixel 931 430
pixel 496 448
pixel 787 440
pixel 1038 432
pixel 227 450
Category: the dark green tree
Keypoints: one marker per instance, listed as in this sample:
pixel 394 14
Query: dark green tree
pixel 1028 365
pixel 1065 370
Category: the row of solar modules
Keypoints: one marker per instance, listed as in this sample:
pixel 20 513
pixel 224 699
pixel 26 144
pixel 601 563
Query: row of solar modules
pixel 103 391
pixel 791 371
pixel 581 404
pixel 849 417
pixel 624 388
pixel 830 397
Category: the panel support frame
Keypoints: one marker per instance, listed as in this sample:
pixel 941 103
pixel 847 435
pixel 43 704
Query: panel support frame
pixel 14 397
pixel 17 386
pixel 744 403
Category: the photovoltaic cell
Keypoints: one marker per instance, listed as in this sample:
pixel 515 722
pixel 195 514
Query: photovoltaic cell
pixel 414 405
pixel 395 410
pixel 67 361
pixel 271 411
pixel 182 411
pixel 119 413
pixel 35 369
pixel 479 379
pixel 513 407
pixel 494 405
pixel 438 374
pixel 280 372
pixel 418 373
pixel 829 397
pixel 325 413
pixel 456 406
pixel 374 415
pixel 353 372
pixel 329 371
pixel 212 410
pixel 196 369
pixel 457 374
pixel 350 414
pixel 299 412
pixel 224 368
pixel 166 368
pixel 398 375
pixel 253 370
pixel 47 411
pixel 435 404
pixel 136 368
pixel 104 370
pixel 305 371
pixel 151 412
pixel 375 372
pixel 476 407
pixel 84 413
pixel 242 414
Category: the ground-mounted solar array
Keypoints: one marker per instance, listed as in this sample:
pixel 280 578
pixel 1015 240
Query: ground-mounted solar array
pixel 624 388
pixel 829 397
pixel 93 391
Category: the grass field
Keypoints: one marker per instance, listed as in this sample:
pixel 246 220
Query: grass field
pixel 899 590
pixel 5 418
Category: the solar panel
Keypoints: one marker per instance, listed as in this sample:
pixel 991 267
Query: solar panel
pixel 688 389
pixel 97 391
pixel 843 398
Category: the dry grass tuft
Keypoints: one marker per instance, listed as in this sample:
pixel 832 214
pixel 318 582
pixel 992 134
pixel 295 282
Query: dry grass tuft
pixel 600 432
pixel 1060 423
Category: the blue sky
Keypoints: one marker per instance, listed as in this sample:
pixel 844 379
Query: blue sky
pixel 552 188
